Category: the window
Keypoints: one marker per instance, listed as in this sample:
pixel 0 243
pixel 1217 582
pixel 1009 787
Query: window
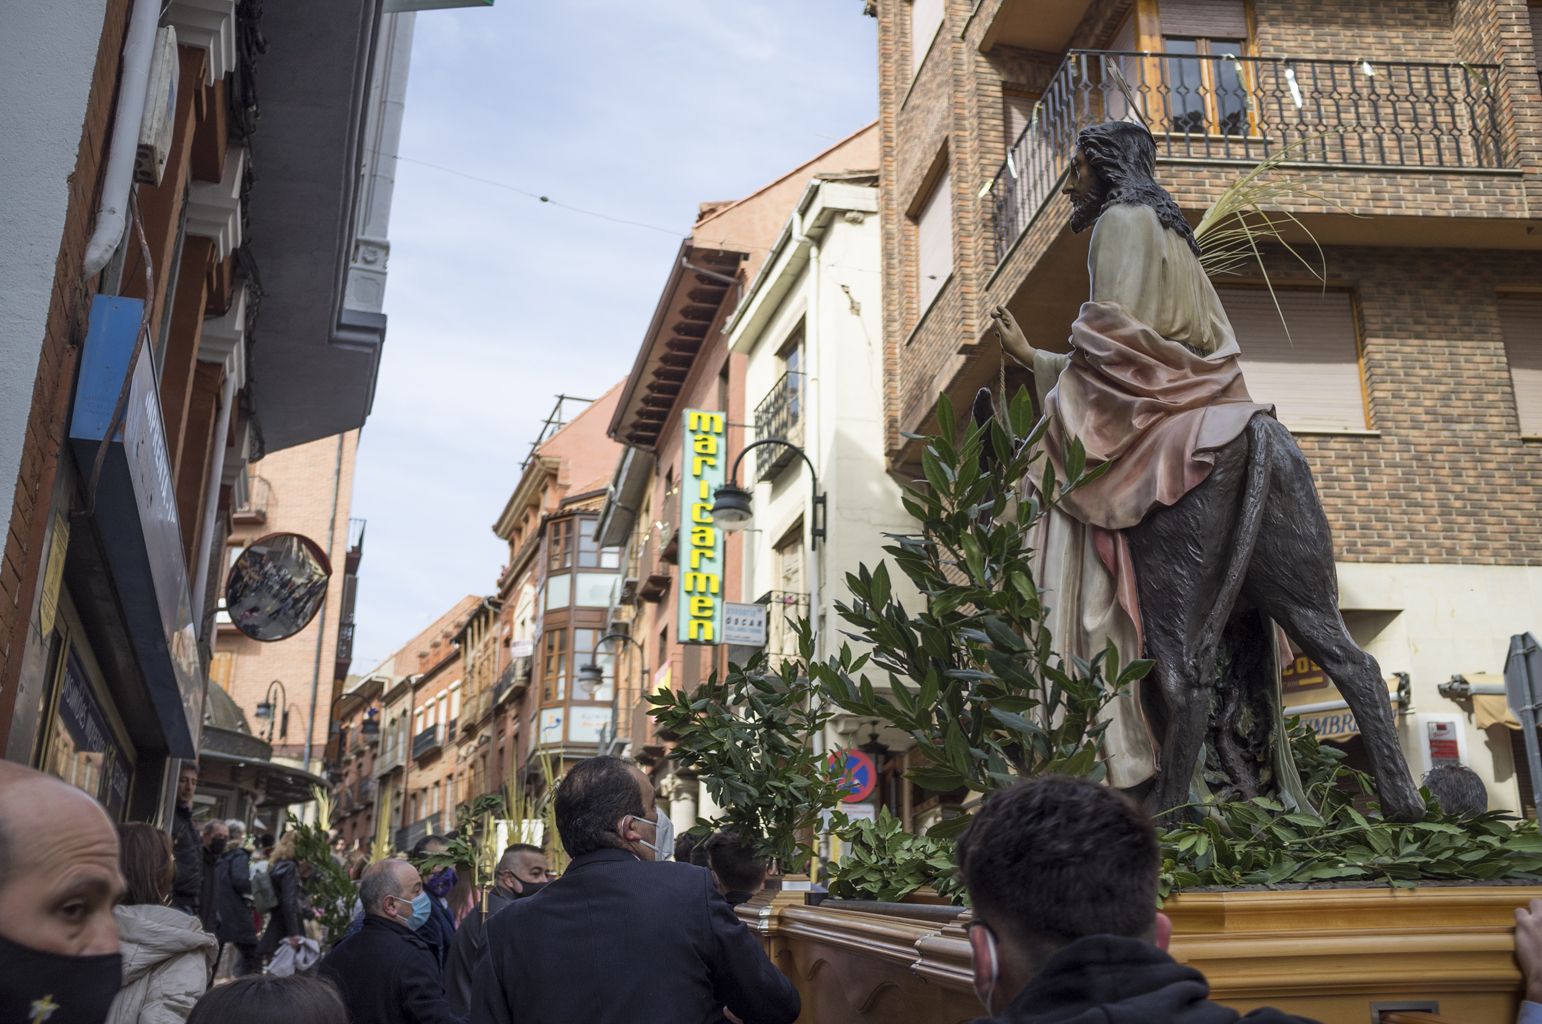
pixel 559 590
pixel 587 650
pixel 789 561
pixel 1521 319
pixel 791 358
pixel 559 543
pixel 595 589
pixel 1017 110
pixel 588 546
pixel 1204 92
pixel 1312 375
pixel 554 664
pixel 455 702
pixel 925 20
pixel 934 240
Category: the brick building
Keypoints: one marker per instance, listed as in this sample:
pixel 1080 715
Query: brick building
pixel 140 256
pixel 1411 380
pixel 357 715
pixel 684 363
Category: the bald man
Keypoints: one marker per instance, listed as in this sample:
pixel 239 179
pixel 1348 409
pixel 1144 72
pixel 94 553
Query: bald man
pixel 386 971
pixel 59 879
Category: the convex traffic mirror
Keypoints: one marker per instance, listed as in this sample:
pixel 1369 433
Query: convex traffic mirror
pixel 276 586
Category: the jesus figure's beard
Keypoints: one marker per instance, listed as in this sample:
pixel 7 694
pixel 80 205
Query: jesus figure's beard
pixel 1085 207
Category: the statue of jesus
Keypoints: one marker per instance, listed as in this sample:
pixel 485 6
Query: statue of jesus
pixel 1151 384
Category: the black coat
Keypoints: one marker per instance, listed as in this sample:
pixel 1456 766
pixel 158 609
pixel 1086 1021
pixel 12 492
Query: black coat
pixel 288 918
pixel 387 975
pixel 187 851
pixel 438 931
pixel 233 898
pixel 466 951
pixel 208 906
pixel 1107 979
pixel 617 940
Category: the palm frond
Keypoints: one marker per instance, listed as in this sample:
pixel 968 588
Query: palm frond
pixel 1245 217
pixel 383 809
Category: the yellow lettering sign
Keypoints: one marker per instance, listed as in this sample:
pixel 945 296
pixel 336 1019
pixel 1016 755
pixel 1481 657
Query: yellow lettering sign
pixel 703 536
pixel 706 582
pixel 703 607
pixel 705 444
pixel 701 513
pixel 711 422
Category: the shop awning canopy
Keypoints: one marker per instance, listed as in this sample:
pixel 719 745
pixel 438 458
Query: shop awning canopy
pixel 1327 714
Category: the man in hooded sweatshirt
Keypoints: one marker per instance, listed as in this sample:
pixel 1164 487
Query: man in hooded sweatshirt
pixel 1062 874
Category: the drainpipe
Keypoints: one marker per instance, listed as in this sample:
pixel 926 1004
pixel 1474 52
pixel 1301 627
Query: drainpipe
pixel 321 619
pixel 138 48
pixel 211 502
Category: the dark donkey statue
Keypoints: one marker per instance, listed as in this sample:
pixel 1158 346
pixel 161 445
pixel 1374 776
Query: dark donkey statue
pixel 1245 548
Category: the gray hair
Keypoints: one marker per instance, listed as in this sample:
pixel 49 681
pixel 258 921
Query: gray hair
pixel 379 880
pixel 237 829
pixel 510 859
pixel 212 824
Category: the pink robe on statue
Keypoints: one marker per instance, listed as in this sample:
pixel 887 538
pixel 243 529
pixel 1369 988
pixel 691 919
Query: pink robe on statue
pixel 1137 394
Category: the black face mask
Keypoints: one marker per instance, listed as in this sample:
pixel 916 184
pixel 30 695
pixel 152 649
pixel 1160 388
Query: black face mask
pixel 531 888
pixel 49 988
pixel 217 845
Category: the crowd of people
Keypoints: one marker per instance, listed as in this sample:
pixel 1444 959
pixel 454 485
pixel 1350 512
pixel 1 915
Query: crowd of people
pixel 132 924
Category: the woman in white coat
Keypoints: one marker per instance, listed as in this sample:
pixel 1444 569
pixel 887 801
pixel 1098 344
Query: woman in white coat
pixel 167 956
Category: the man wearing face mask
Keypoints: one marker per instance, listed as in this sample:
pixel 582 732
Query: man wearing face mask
pixel 521 872
pixel 59 879
pixel 386 971
pixel 620 938
pixel 216 836
pixel 1062 875
pixel 439 932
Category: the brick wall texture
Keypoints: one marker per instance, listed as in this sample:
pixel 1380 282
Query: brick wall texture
pixel 1446 477
pixel 21 547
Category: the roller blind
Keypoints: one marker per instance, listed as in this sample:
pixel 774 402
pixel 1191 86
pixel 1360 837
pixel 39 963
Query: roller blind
pixel 1209 19
pixel 925 20
pixel 1521 319
pixel 935 240
pixel 1019 111
pixel 1313 375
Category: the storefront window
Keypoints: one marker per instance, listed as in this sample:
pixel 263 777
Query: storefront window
pixel 82 748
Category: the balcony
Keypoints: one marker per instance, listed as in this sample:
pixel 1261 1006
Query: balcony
pixel 513 680
pixel 408 836
pixel 780 416
pixel 344 655
pixel 1376 115
pixel 355 544
pixel 429 741
pixel 252 509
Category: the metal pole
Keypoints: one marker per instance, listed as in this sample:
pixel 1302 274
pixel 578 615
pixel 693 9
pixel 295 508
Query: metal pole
pixel 321 624
pixel 1523 671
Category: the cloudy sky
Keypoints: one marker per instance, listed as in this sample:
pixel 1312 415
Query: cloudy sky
pixel 637 111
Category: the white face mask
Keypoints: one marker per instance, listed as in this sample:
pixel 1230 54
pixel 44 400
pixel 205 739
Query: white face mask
pixel 663 845
pixel 989 994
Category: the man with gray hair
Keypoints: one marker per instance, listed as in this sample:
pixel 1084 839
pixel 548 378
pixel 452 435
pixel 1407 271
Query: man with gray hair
pixel 234 924
pixel 521 872
pixel 385 971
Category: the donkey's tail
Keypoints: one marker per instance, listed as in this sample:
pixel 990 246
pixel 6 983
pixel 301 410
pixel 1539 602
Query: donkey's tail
pixel 1255 496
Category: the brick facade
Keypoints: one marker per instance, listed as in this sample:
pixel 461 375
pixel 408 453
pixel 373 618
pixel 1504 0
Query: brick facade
pixel 21 547
pixel 1447 477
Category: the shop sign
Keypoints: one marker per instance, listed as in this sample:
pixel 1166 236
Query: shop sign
pixel 1338 724
pixel 744 624
pixel 136 516
pixel 588 725
pixel 701 542
pixel 82 750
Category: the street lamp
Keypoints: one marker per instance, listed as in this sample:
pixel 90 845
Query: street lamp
pixel 593 675
pixel 266 708
pixel 733 506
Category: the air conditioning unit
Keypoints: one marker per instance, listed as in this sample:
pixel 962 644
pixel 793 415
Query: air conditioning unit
pixel 160 110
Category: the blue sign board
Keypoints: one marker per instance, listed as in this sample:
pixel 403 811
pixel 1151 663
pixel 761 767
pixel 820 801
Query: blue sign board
pixel 136 516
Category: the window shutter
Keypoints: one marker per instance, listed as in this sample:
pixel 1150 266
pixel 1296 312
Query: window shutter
pixel 1019 112
pixel 934 236
pixel 1313 375
pixel 1208 19
pixel 1521 319
pixel 925 20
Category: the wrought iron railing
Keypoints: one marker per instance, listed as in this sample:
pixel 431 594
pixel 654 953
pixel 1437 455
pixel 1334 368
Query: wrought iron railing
pixel 1352 113
pixel 426 742
pixel 345 630
pixel 779 415
pixel 253 505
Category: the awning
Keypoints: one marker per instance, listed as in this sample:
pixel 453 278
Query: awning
pixel 279 784
pixel 1332 719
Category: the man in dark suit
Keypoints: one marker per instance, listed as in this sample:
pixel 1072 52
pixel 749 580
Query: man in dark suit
pixel 387 973
pixel 618 938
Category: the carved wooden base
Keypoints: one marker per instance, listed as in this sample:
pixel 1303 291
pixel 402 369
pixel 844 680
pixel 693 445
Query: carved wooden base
pixel 1324 954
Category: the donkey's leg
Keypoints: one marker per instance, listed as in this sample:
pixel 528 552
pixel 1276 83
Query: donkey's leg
pixel 1187 712
pixel 1293 579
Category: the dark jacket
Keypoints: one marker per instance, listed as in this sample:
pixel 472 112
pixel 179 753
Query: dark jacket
pixel 288 918
pixel 187 851
pixel 1106 979
pixel 617 940
pixel 438 931
pixel 208 910
pixel 233 897
pixel 737 896
pixel 466 951
pixel 387 976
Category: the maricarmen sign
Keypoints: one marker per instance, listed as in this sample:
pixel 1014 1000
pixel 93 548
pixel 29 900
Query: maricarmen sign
pixel 701 542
